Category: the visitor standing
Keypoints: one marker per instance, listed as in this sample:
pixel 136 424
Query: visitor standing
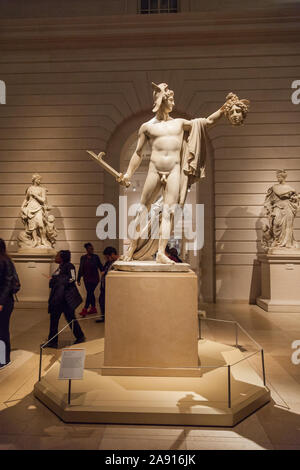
pixel 89 268
pixel 111 255
pixel 9 285
pixel 64 298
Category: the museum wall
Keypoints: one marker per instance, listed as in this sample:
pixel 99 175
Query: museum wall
pixel 72 93
pixel 78 8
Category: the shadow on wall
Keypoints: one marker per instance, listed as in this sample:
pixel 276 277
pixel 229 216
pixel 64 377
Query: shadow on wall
pixel 12 245
pixel 256 274
pixel 59 223
pixel 254 288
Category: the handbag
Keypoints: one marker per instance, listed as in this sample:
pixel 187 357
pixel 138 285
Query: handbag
pixel 72 296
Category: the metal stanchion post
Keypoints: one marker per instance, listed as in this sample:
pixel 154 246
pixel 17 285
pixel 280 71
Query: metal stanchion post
pixel 236 335
pixel 263 366
pixel 40 366
pixel 229 387
pixel 69 392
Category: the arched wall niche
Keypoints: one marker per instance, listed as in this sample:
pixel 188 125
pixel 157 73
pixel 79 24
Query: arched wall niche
pixel 123 139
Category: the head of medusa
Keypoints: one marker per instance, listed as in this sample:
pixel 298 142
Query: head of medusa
pixel 235 109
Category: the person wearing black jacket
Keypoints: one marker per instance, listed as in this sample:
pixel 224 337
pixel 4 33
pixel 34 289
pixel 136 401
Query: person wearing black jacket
pixel 64 298
pixel 89 268
pixel 6 300
pixel 111 256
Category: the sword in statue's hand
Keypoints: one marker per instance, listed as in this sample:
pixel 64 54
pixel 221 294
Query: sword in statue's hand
pixel 119 176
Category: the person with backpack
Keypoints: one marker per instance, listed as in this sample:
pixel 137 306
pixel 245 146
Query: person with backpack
pixel 64 298
pixel 9 285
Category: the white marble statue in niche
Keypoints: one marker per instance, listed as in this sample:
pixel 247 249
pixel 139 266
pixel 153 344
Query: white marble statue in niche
pixel 280 208
pixel 40 231
pixel 178 153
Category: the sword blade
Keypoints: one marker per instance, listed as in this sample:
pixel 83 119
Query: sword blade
pixel 108 168
pixel 104 165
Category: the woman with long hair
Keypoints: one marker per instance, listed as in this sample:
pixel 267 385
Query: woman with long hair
pixel 6 303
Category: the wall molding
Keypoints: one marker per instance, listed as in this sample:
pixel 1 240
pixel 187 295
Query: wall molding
pixel 265 25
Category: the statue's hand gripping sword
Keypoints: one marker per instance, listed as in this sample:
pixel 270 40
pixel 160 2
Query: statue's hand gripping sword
pixel 107 167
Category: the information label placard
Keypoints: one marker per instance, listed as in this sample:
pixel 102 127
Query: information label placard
pixel 72 364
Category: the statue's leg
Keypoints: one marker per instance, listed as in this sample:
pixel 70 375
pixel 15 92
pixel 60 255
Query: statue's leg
pixel 150 190
pixel 35 238
pixel 31 234
pixel 40 222
pixel 171 195
pixel 44 239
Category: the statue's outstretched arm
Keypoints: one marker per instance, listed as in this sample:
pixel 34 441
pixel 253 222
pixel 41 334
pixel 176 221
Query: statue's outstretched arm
pixel 213 118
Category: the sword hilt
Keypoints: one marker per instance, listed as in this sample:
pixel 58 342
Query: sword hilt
pixel 122 182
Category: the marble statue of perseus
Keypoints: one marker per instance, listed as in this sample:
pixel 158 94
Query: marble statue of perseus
pixel 177 160
pixel 280 208
pixel 40 231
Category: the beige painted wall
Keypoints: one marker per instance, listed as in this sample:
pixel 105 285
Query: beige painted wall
pixel 62 100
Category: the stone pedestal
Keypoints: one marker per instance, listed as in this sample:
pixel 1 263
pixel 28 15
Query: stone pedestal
pixel 280 282
pixel 34 270
pixel 151 323
pixel 176 401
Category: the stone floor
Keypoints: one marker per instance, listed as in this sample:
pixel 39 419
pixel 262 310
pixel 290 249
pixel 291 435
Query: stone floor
pixel 25 423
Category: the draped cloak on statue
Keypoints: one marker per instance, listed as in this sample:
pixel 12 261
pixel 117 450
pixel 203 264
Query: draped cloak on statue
pixel 194 150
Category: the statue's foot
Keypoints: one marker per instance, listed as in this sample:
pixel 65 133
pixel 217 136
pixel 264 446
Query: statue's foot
pixel 162 258
pixel 126 257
